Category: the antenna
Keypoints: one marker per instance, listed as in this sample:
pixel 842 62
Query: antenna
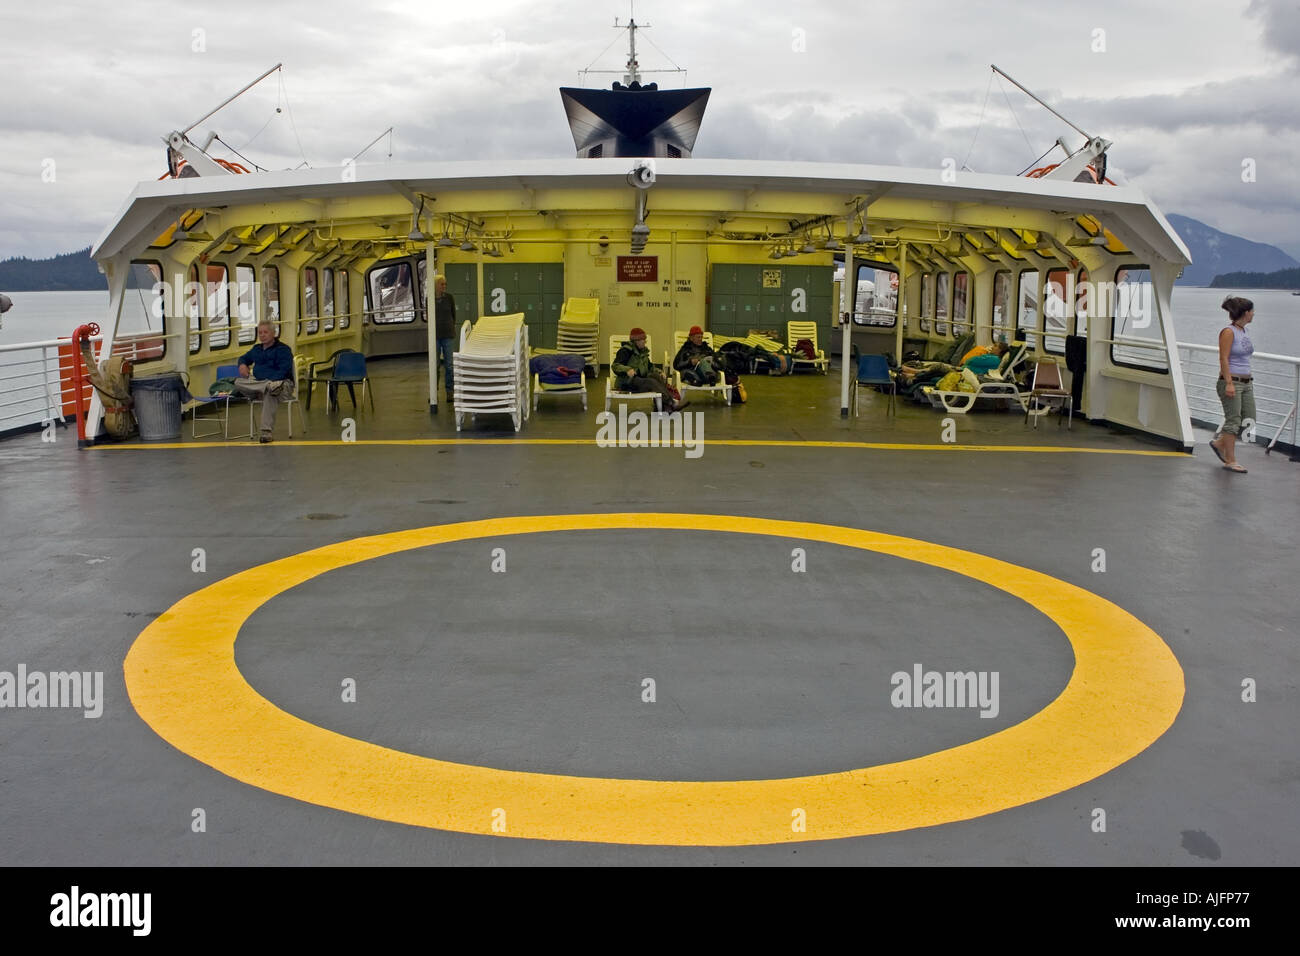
pixel 1040 102
pixel 231 99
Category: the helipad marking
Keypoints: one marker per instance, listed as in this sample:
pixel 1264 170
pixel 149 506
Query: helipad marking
pixel 739 442
pixel 1125 691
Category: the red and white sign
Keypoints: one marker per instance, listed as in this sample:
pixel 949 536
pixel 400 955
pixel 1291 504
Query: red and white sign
pixel 638 268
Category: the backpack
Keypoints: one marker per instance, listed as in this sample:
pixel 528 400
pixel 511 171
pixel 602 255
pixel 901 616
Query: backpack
pixel 738 396
pixel 805 348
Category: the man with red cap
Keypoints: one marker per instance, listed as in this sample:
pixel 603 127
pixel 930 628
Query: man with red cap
pixel 695 360
pixel 634 372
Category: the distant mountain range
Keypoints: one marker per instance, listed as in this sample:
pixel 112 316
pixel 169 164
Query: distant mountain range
pixel 1240 262
pixel 1216 253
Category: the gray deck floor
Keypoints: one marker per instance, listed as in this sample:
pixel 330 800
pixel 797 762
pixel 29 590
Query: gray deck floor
pixel 761 673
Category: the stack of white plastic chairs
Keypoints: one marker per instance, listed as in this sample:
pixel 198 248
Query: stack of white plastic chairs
pixel 579 331
pixel 492 368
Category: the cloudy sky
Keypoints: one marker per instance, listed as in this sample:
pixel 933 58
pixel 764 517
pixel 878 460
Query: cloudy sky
pixel 1188 90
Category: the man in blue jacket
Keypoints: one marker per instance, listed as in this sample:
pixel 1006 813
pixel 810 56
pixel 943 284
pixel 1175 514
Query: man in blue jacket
pixel 272 361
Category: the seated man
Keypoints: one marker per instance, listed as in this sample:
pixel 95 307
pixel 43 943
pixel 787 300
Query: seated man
pixel 695 360
pixel 272 360
pixel 634 373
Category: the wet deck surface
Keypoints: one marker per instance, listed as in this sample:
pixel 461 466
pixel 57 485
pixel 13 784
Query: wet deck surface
pixel 760 672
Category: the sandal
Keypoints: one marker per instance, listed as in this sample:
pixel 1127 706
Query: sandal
pixel 1235 466
pixel 1218 454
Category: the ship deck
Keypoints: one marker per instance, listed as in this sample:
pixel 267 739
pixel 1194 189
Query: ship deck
pixel 513 657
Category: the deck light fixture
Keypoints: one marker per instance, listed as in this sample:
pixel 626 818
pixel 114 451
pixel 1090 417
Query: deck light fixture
pixel 640 236
pixel 863 237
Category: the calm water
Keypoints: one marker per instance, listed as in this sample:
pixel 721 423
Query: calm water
pixel 1197 316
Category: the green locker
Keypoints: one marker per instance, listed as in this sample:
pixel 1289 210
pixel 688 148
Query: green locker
pixel 553 278
pixel 722 314
pixel 724 279
pixel 749 280
pixel 528 279
pixel 462 284
pixel 748 313
pixel 821 281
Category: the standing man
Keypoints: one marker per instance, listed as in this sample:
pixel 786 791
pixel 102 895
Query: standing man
pixel 272 361
pixel 444 316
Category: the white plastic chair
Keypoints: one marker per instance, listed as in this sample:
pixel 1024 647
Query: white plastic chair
pixel 721 388
pixel 794 331
pixel 611 393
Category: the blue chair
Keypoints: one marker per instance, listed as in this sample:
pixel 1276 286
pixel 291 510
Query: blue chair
pixel 874 372
pixel 349 370
pixel 218 403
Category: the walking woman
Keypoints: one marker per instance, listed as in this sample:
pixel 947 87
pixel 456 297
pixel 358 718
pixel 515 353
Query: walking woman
pixel 1235 386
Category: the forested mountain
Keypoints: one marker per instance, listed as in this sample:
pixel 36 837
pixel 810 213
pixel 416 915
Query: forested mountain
pixel 73 271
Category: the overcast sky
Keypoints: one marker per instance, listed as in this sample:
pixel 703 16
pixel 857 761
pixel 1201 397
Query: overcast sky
pixel 1188 90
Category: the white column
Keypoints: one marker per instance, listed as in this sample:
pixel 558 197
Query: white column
pixel 430 275
pixel 117 269
pixel 847 289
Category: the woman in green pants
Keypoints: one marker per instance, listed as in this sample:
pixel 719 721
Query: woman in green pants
pixel 1236 386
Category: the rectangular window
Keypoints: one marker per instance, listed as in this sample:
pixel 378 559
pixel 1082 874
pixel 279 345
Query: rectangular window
pixel 218 307
pixel 876 296
pixel 327 298
pixel 193 313
pixel 391 297
pixel 1001 298
pixel 1133 317
pixel 246 304
pixel 961 324
pixel 144 305
pixel 144 309
pixel 941 304
pixel 310 302
pixel 345 301
pixel 271 295
pixel 1027 312
pixel 927 301
pixel 1056 323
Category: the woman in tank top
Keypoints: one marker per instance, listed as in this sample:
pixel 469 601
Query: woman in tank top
pixel 1236 386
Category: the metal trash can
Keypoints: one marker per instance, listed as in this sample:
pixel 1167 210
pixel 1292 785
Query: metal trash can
pixel 157 400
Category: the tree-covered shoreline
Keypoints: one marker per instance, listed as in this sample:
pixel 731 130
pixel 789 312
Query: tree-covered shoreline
pixel 70 272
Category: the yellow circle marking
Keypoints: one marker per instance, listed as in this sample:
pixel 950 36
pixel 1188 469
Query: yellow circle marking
pixel 1125 691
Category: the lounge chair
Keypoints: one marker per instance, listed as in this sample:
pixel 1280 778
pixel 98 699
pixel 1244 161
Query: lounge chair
pixel 721 389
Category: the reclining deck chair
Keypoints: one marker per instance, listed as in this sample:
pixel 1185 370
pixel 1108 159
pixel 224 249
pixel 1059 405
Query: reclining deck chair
pixel 1000 383
pixel 794 331
pixel 721 388
pixel 611 393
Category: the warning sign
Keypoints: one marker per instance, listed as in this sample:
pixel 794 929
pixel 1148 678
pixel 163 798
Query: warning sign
pixel 638 268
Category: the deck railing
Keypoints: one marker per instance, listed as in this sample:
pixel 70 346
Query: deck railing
pixel 36 377
pixel 1277 389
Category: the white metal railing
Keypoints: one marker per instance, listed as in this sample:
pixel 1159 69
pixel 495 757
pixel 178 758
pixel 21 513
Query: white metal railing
pixel 35 380
pixel 1277 389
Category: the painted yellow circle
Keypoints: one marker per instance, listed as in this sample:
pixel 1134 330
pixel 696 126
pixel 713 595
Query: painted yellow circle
pixel 1125 691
